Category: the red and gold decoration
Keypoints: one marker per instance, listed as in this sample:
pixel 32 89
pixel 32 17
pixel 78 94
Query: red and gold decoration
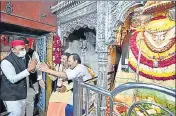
pixel 4 43
pixel 4 40
pixel 157 42
pixel 4 46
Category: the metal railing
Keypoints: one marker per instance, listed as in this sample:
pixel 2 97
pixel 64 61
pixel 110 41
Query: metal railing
pixel 79 85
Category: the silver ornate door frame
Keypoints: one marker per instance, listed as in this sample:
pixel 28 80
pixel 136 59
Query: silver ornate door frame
pixel 41 50
pixel 104 16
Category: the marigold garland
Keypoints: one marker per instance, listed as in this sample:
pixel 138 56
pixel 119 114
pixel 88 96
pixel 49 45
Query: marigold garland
pixel 145 60
pixel 149 63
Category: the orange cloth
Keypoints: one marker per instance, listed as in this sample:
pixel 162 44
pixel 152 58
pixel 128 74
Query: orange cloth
pixel 56 109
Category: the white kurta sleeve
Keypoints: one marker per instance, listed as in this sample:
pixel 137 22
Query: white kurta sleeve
pixel 9 71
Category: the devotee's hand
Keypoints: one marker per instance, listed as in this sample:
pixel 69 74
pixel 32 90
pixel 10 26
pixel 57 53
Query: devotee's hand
pixel 43 67
pixel 31 65
pixel 42 83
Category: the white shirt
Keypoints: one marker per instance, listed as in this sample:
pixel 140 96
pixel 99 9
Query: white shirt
pixel 79 71
pixel 9 71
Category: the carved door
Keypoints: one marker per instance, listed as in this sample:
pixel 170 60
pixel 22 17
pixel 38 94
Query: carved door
pixel 41 50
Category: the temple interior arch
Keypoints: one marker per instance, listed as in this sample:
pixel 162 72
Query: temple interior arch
pixel 83 42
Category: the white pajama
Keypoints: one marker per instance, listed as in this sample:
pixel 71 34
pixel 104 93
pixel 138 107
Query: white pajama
pixel 16 108
pixel 30 100
pixel 19 107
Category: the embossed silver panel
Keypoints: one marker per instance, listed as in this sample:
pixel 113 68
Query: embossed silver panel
pixel 41 50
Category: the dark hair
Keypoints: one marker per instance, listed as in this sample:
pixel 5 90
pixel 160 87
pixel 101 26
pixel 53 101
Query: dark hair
pixel 66 54
pixel 25 41
pixel 76 57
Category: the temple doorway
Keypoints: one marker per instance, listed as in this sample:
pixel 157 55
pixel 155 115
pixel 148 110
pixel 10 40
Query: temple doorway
pixel 83 42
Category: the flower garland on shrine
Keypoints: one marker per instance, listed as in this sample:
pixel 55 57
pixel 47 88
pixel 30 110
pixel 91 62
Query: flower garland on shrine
pixel 158 56
pixel 57 50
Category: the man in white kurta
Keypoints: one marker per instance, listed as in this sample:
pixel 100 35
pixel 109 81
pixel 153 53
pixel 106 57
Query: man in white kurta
pixel 14 72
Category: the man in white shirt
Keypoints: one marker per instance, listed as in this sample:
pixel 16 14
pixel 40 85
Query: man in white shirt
pixel 76 70
pixel 14 84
